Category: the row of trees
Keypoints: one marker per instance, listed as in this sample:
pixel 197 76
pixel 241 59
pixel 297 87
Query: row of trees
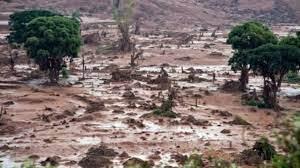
pixel 47 37
pixel 258 49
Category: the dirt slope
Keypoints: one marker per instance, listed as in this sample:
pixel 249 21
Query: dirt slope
pixel 172 13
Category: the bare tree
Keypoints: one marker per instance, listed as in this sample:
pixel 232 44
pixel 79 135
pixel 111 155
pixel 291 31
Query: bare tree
pixel 136 54
pixel 123 18
pixel 137 27
pixel 83 56
pixel 83 66
pixel 185 40
pixel 116 4
pixel 214 33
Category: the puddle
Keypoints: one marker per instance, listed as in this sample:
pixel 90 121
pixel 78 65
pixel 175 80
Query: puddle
pixel 213 133
pixel 80 112
pixel 89 140
pixel 112 125
pixel 203 85
pixel 37 82
pixel 289 91
pixel 72 79
pixel 151 127
pixel 3 22
pixel 7 162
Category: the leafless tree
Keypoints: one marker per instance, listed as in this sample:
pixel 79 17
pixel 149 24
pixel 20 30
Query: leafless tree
pixel 123 18
pixel 136 54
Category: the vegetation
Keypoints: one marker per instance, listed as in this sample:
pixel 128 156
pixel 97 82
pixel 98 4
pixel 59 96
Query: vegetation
pixel 49 40
pixel 244 37
pixel 31 164
pixel 264 149
pixel 273 62
pixel 194 161
pixel 290 142
pixel 223 164
pixel 291 40
pixel 165 110
pixel 65 72
pixel 18 23
pixel 257 49
pixel 255 103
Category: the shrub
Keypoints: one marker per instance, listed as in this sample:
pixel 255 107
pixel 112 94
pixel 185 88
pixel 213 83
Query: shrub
pixel 255 103
pixel 264 149
pixel 165 110
pixel 194 161
pixel 65 72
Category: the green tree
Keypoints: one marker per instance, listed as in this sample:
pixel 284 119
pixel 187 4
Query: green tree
pixel 50 40
pixel 273 62
pixel 18 22
pixel 291 40
pixel 245 37
pixel 292 77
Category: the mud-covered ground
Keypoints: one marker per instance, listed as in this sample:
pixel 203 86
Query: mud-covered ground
pixel 41 121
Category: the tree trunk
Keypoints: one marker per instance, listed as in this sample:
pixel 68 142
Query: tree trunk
pixel 125 43
pixel 244 79
pixel 53 76
pixel 83 67
pixel 54 69
pixel 132 61
pixel 270 95
pixel 12 63
pixel 137 27
pixel 116 4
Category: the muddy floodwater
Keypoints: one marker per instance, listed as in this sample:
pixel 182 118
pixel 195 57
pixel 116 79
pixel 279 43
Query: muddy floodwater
pixel 65 121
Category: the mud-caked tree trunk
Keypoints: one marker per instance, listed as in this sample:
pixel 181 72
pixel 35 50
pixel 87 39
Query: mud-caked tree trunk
pixel 270 95
pixel 53 76
pixel 54 67
pixel 12 63
pixel 83 66
pixel 137 29
pixel 244 79
pixel 116 4
pixel 125 43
